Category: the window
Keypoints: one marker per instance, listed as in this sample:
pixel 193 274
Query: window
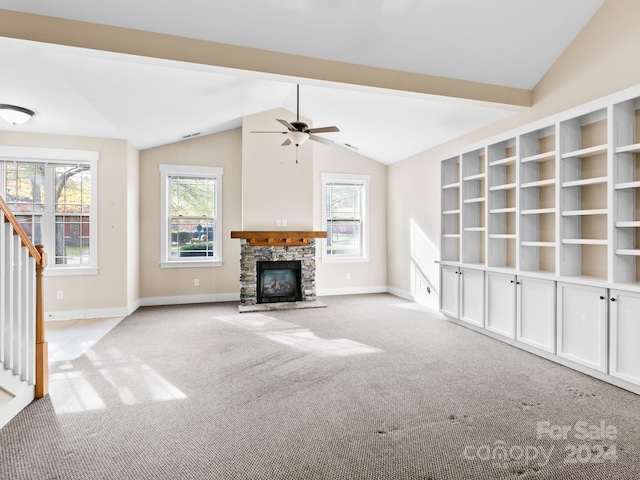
pixel 53 199
pixel 345 217
pixel 191 224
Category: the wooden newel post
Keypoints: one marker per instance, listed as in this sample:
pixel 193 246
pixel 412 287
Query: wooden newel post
pixel 42 348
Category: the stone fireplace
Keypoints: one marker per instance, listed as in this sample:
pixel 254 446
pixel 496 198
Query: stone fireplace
pixel 271 261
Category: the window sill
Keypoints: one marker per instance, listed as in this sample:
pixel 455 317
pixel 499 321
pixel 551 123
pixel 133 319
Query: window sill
pixel 328 259
pixel 191 264
pixel 69 271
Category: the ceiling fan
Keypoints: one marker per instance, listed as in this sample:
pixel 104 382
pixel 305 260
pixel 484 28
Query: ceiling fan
pixel 298 132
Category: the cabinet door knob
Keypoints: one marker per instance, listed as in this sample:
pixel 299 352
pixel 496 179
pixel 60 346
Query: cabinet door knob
pixel 613 299
pixel 601 297
pixel 517 283
pixel 512 281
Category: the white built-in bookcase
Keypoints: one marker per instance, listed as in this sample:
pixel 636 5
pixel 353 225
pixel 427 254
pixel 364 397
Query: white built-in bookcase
pixel 541 238
pixel 557 198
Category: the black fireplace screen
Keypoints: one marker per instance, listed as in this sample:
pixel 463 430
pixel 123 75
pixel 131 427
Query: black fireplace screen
pixel 279 282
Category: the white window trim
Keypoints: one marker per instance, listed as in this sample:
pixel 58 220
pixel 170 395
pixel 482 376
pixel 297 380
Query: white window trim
pixel 362 179
pixel 165 172
pixel 64 156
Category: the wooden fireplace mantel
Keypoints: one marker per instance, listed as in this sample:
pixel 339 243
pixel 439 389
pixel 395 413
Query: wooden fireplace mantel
pixel 278 238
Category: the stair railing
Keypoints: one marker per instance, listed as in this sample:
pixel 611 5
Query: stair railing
pixel 23 348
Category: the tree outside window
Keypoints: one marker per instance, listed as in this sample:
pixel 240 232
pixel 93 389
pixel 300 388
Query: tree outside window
pixel 191 220
pixel 52 202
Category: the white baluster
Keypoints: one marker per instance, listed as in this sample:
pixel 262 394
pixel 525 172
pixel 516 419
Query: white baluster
pixel 17 304
pixel 9 296
pixel 31 323
pixel 3 283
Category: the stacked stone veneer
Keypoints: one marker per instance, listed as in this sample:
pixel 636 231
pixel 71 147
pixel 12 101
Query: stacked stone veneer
pixel 249 256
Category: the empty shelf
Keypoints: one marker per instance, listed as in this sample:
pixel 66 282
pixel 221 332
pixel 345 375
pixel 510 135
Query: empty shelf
pixel 506 186
pixel 624 251
pixel 595 211
pixel 584 181
pixel 586 152
pixel 620 186
pixel 451 212
pixel 503 161
pixel 503 235
pixel 474 229
pixel 538 244
pixel 584 241
pixel 451 185
pixel 537 211
pixel 540 157
pixel 634 148
pixel 474 200
pixel 539 183
pixel 503 210
pixel 629 224
pixel 477 176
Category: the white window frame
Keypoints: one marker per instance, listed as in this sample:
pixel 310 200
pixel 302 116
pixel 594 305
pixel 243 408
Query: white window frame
pixel 356 179
pixel 61 156
pixel 166 171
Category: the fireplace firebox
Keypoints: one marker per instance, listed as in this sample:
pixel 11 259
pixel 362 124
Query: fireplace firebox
pixel 279 281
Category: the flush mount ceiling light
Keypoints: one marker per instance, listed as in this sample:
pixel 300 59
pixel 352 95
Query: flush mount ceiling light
pixel 15 115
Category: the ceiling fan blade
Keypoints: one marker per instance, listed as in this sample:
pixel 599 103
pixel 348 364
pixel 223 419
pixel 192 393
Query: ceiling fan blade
pixel 326 141
pixel 286 124
pixel 286 142
pixel 323 130
pixel 256 131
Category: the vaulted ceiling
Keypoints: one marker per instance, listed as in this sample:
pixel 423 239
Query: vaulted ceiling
pixel 509 44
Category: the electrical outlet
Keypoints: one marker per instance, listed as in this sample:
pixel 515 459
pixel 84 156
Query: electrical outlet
pixel 348 276
pixel 284 223
pixel 196 282
pixel 278 223
pixel 60 295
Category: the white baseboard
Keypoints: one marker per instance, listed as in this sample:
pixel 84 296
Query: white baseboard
pixel 92 313
pixel 324 292
pixel 185 299
pixel 401 293
pixel 209 298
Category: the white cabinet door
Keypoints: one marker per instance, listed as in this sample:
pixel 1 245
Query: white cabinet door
pixel 624 316
pixel 472 296
pixel 536 313
pixel 450 290
pixel 582 325
pixel 501 304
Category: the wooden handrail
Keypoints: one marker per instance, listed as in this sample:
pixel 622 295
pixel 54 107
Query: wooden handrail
pixel 42 347
pixel 17 228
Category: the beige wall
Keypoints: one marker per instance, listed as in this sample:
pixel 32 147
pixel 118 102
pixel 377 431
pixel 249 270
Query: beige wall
pixel 601 61
pixel 369 276
pixel 273 185
pixel 108 292
pixel 160 285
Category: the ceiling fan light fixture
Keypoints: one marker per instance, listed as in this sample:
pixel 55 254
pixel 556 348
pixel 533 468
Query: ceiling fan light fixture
pixel 15 115
pixel 298 138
